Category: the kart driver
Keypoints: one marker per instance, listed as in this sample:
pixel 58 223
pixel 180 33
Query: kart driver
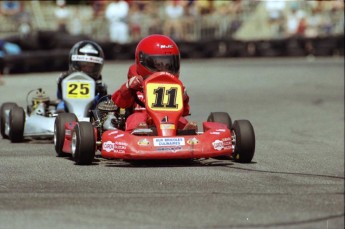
pixel 153 53
pixel 85 56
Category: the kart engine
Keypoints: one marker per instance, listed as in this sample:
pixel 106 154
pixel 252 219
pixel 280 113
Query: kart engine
pixel 39 102
pixel 109 116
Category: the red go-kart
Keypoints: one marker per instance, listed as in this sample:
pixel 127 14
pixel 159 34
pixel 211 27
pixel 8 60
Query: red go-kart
pixel 161 140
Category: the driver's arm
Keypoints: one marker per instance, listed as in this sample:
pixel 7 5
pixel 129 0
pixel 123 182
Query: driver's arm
pixel 186 108
pixel 124 97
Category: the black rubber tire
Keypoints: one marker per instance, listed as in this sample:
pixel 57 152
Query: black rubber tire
pixel 245 141
pixel 59 131
pixel 85 144
pixel 222 117
pixel 4 107
pixel 17 123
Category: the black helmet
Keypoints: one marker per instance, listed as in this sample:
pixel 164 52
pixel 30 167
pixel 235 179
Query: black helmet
pixel 88 57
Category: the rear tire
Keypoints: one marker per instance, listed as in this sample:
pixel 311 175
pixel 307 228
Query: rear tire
pixel 222 117
pixel 59 131
pixel 245 141
pixel 17 123
pixel 4 107
pixel 83 143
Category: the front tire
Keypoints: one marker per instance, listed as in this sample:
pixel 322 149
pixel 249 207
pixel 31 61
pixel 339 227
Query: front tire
pixel 221 117
pixel 245 141
pixel 4 107
pixel 59 131
pixel 83 143
pixel 17 123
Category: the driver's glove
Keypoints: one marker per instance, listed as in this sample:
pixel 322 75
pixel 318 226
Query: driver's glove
pixel 135 83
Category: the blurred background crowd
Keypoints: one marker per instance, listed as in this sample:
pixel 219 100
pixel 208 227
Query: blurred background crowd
pixel 187 20
pixel 201 28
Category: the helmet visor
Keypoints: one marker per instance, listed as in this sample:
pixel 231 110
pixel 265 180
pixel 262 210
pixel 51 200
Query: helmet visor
pixel 88 64
pixel 91 69
pixel 161 63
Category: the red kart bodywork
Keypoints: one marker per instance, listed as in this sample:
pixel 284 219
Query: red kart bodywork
pixel 216 141
pixel 68 137
pixel 164 104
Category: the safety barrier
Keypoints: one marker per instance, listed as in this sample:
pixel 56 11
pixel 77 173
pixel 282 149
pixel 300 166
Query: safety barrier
pixel 50 50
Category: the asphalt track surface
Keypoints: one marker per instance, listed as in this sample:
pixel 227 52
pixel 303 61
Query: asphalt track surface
pixel 296 179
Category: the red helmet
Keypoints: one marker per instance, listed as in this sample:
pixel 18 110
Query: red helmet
pixel 157 53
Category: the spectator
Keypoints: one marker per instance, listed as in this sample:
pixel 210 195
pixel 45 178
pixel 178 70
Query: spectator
pixel 313 23
pixel 275 16
pixel 24 24
pixel 293 19
pixel 11 7
pixel 98 7
pixel 204 6
pixel 174 12
pixel 135 21
pixel 154 23
pixel 302 26
pixel 225 15
pixel 16 11
pixel 8 48
pixel 62 16
pixel 77 23
pixel 116 13
pixel 191 18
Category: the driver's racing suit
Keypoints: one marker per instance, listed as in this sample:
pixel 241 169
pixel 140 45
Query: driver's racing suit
pixel 125 98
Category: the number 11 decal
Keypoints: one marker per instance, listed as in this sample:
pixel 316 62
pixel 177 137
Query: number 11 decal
pixel 159 101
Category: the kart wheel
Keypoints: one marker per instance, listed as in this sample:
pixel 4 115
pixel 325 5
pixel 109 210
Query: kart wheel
pixel 245 141
pixel 5 107
pixel 221 117
pixel 59 131
pixel 17 123
pixel 83 143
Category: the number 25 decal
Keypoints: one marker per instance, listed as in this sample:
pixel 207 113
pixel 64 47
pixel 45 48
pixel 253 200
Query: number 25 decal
pixel 78 90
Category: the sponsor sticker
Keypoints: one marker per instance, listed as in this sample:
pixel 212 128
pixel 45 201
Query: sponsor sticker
pixel 119 136
pixel 218 145
pixel 92 59
pixel 108 146
pixel 167 126
pixel 88 49
pixel 227 143
pixel 193 141
pixel 117 147
pixel 167 46
pixel 170 149
pixel 168 142
pixel 113 132
pixel 121 145
pixel 143 142
pixel 215 133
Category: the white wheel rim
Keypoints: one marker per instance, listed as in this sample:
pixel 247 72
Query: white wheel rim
pixel 55 135
pixel 74 143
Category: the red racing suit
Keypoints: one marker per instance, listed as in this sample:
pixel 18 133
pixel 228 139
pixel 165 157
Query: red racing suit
pixel 124 98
